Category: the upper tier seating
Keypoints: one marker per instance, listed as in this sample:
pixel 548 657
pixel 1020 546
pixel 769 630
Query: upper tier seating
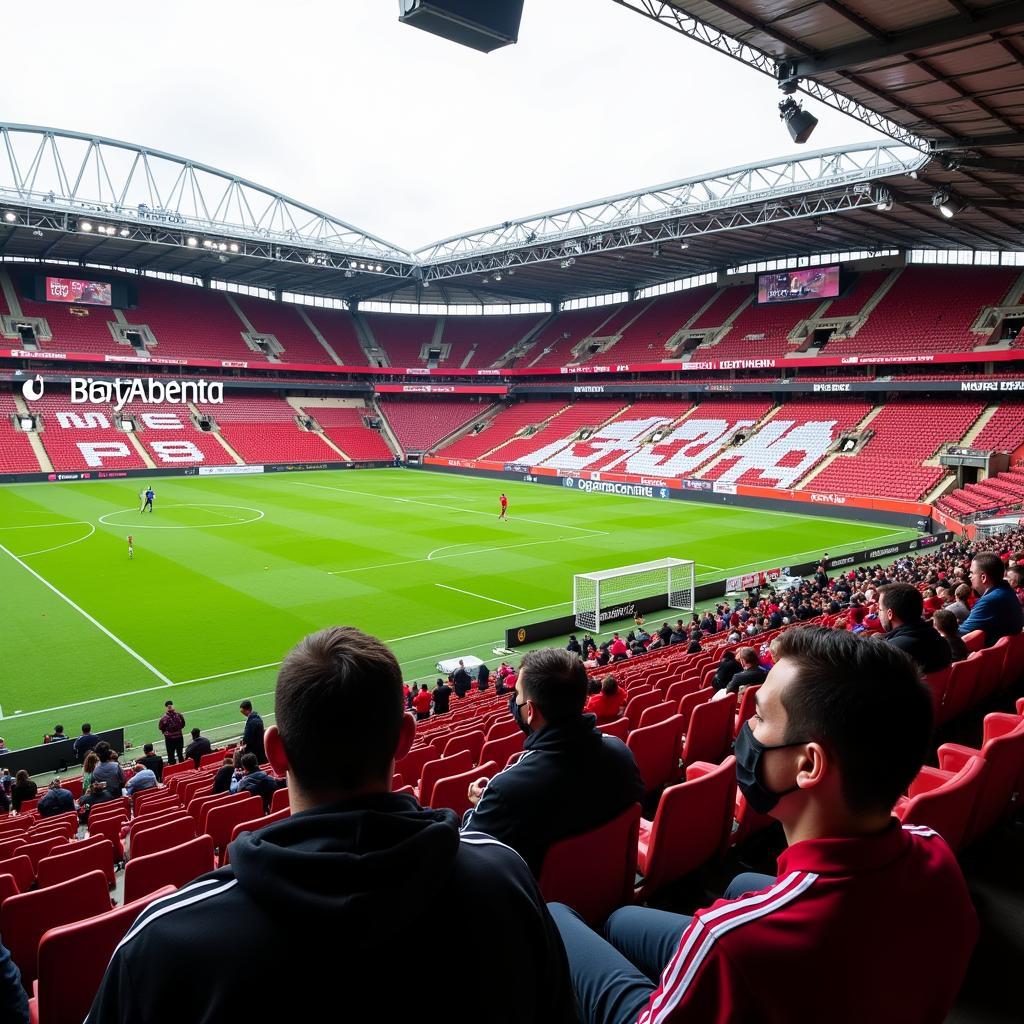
pixel 16 454
pixel 339 331
pixel 762 331
pixel 282 320
pixel 420 423
pixel 501 428
pixel 1004 432
pixel 564 425
pixel 480 341
pixel 84 330
pixel 402 337
pixel 643 340
pixel 724 305
pixel 346 427
pixel 906 433
pixel 929 309
pixel 857 297
pixel 554 345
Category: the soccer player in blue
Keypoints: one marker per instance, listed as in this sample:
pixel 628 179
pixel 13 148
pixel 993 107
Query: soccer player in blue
pixel 150 495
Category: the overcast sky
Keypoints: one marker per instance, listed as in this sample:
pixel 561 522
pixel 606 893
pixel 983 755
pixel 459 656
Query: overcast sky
pixel 399 132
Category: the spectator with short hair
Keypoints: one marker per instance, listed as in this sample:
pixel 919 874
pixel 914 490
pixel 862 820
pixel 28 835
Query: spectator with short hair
pixel 750 673
pixel 354 862
pixel 572 777
pixel 608 702
pixel 172 726
pixel 56 736
pixel 726 669
pixel 945 623
pixel 85 742
pixel 108 770
pixel 462 681
pixel 252 734
pixel 421 703
pixel 900 608
pixel 442 695
pixel 997 612
pixel 256 781
pixel 23 789
pixel 97 793
pixel 841 729
pixel 222 780
pixel 55 800
pixel 198 748
pixel 4 749
pixel 154 762
pixel 1015 578
pixel 143 779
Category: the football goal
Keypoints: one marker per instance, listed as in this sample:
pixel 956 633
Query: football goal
pixel 612 594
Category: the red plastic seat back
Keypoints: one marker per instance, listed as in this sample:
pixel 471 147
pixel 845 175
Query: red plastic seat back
pixel 963 680
pixel 637 705
pixel 281 800
pixel 21 870
pixel 9 847
pixel 225 816
pixel 1004 764
pixel 73 958
pixel 412 764
pixel 975 640
pixel 162 836
pixel 453 791
pixel 469 741
pixel 593 873
pixel 8 887
pixel 746 709
pixel 440 769
pixel 690 701
pixel 500 750
pixel 37 851
pixel 177 866
pixel 656 713
pixel 94 854
pixel 656 751
pixel 947 808
pixel 709 736
pixel 990 674
pixel 25 918
pixel 938 684
pixel 619 728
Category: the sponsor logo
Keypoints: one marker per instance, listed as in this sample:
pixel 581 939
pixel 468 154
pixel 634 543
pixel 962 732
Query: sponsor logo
pixel 230 470
pixel 428 388
pixel 832 387
pixel 521 635
pixel 720 488
pixel 234 364
pixel 928 541
pixel 420 371
pixel 979 385
pixel 607 487
pixel 119 391
pixel 125 359
pixel 836 563
pixel 588 389
pixel 18 353
pixel 623 611
pixel 1011 385
pixel 488 373
pixel 828 499
pixel 700 366
pixel 69 476
pixel 568 482
pixel 696 485
pixel 881 552
pixel 719 387
pixel 528 479
pixel 746 364
pixel 846 360
pixel 112 476
pixel 649 481
pixel 33 388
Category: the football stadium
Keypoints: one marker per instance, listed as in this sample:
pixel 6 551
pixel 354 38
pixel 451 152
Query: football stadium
pixel 635 587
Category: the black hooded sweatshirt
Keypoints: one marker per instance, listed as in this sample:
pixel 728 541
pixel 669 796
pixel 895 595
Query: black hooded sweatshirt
pixel 316 919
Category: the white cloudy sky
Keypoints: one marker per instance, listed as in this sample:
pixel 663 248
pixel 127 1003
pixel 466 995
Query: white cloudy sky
pixel 399 132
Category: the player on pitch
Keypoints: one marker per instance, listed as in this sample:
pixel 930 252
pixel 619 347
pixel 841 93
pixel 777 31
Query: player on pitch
pixel 148 497
pixel 503 502
pixel 131 547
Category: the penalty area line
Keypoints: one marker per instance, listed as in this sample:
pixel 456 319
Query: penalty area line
pixel 480 597
pixel 81 611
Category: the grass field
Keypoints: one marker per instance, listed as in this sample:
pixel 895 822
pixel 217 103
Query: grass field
pixel 230 572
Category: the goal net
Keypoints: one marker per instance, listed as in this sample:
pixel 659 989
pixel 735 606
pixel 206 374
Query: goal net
pixel 611 594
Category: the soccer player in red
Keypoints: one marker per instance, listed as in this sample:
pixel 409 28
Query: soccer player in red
pixel 503 502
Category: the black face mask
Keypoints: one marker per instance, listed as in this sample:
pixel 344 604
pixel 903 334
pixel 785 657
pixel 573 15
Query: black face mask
pixel 516 711
pixel 749 751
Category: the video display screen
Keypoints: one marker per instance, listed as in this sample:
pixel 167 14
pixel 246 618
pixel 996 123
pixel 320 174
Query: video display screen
pixel 83 293
pixel 795 285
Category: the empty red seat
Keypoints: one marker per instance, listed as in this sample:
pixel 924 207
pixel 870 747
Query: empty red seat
pixel 222 818
pixel 110 827
pixel 963 682
pixel 594 872
pixel 162 836
pixel 441 768
pixel 656 713
pixel 470 741
pixel 709 735
pixel 21 870
pixel 8 887
pixel 618 728
pixel 412 764
pixel 93 854
pixel 500 750
pixel 975 640
pixel 656 751
pixel 692 824
pixel 281 799
pixel 453 791
pixel 37 851
pixel 177 866
pixel 943 800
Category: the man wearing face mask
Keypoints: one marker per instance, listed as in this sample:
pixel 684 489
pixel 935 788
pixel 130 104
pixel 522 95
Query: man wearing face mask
pixel 867 920
pixel 572 778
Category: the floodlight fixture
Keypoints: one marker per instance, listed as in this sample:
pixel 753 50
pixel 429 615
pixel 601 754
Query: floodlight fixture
pixel 799 122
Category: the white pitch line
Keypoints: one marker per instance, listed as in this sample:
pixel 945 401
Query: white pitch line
pixel 234 672
pixel 48 526
pixel 448 508
pixel 480 597
pixel 81 611
pixel 57 547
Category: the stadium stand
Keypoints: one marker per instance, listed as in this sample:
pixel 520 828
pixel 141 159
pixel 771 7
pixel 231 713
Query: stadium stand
pixel 83 436
pixel 348 429
pixel 403 338
pixel 644 337
pixel 421 424
pixel 481 341
pixel 339 331
pixel 762 331
pixel 501 427
pixel 1004 432
pixel 562 427
pixel 285 323
pixel 172 439
pixel 16 453
pixel 554 344
pixel 76 328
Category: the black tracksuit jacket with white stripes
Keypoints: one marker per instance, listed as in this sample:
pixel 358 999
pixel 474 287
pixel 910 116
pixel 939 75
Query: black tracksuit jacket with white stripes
pixel 371 909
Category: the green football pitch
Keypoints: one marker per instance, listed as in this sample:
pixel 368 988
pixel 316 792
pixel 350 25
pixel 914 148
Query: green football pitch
pixel 229 572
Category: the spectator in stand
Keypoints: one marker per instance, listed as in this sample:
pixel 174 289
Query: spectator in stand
pixel 608 702
pixel 252 734
pixel 900 608
pixel 355 862
pixel 23 789
pixel 421 703
pixel 108 770
pixel 255 780
pixel 198 748
pixel 462 681
pixel 143 779
pixel 932 602
pixel 55 801
pixel 998 612
pixel 727 668
pixel 750 673
pixel 707 624
pixel 4 749
pixel 91 760
pixel 225 773
pixel 665 633
pixel 617 649
pixel 85 742
pixel 442 696
pixel 154 762
pixel 678 635
pixel 945 623
pixel 172 727
pixel 483 678
pixel 502 685
pixel 572 777
pixel 6 781
pixel 574 646
pixel 97 793
pixel 841 729
pixel 13 998
pixel 694 646
pixel 1015 577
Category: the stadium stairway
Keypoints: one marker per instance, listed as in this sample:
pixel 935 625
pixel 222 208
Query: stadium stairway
pixel 829 459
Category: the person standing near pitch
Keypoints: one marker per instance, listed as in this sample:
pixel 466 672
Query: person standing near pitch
pixel 148 496
pixel 503 502
pixel 131 547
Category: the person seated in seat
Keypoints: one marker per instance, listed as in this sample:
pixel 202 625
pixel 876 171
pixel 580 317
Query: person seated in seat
pixel 143 779
pixel 198 748
pixel 23 789
pixel 997 612
pixel 750 673
pixel 55 801
pixel 153 761
pixel 841 729
pixel 222 780
pixel 608 702
pixel 332 888
pixel 900 610
pixel 255 780
pixel 945 622
pixel 97 793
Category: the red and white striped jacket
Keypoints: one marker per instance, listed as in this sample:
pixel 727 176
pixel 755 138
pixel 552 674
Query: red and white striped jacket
pixel 877 929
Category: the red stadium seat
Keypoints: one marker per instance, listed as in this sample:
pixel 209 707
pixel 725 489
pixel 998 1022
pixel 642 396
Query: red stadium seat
pixel 656 713
pixel 746 709
pixel 594 872
pixel 412 764
pixel 177 866
pixel 222 818
pixel 8 887
pixel 153 821
pixel 280 800
pixel 470 741
pixel 10 846
pixel 162 836
pixel 25 918
pixel 618 728
pixel 637 705
pixel 943 800
pixel 453 791
pixel 963 681
pixel 504 726
pixel 975 640
pixel 692 824
pixel 938 684
pixel 440 769
pixel 656 750
pixel 37 851
pixel 691 700
pixel 710 733
pixel 259 823
pixel 501 749
pixel 21 870
pixel 96 854
pixel 110 827
pixel 68 976
pixel 202 805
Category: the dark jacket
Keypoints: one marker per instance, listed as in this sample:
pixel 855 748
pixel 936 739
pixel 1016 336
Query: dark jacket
pixel 85 804
pixel 483 677
pixel 746 677
pixel 571 779
pixel 998 613
pixel 373 875
pixel 197 748
pixel 442 699
pixel 924 643
pixel 725 671
pixel 462 682
pixel 222 780
pixel 171 724
pixel 84 744
pixel 110 772
pixel 260 783
pixel 55 801
pixel 252 737
pixel 13 1000
pixel 21 792
pixel 155 763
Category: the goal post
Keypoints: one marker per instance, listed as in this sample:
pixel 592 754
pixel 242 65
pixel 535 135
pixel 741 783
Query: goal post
pixel 611 594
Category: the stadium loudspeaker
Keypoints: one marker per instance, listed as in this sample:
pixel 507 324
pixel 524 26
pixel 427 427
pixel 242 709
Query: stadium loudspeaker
pixel 481 26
